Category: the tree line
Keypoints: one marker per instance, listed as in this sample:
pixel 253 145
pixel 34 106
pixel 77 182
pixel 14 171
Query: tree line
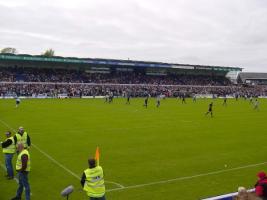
pixel 11 50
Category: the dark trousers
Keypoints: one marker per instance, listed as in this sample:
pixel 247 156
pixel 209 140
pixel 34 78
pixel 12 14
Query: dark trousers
pixel 8 162
pixel 23 183
pixel 99 198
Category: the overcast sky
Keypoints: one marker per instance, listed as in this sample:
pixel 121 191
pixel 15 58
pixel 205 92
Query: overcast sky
pixel 208 32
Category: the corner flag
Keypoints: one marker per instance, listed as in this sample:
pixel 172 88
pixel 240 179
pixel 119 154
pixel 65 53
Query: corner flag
pixel 97 156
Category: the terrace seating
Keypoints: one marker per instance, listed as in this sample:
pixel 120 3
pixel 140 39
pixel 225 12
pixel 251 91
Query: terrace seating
pixel 74 76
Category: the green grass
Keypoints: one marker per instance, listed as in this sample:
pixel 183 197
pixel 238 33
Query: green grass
pixel 139 146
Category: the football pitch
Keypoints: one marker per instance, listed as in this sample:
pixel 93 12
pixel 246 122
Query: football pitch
pixel 172 152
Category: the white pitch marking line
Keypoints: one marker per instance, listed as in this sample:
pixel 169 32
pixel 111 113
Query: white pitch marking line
pixel 126 128
pixel 56 162
pixel 187 177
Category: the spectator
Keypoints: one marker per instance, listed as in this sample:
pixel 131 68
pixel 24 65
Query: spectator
pixel 32 82
pixel 261 186
pixel 242 194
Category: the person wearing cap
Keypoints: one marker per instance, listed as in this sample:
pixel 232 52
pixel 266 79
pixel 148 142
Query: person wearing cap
pixel 23 167
pixel 9 149
pixel 23 137
pixel 261 186
pixel 92 181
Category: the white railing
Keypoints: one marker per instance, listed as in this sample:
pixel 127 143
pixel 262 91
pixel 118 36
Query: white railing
pixel 227 196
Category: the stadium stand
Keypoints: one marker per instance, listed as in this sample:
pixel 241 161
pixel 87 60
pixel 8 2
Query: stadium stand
pixel 34 76
pixel 78 90
pixel 74 76
pixel 253 78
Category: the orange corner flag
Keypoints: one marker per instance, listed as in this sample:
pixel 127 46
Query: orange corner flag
pixel 97 155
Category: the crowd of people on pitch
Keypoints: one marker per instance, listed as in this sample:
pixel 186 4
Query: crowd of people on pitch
pixel 79 90
pixel 115 77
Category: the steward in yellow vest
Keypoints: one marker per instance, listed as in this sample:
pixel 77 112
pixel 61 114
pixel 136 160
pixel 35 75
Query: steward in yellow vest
pixel 9 149
pixel 23 137
pixel 93 181
pixel 23 167
pixel 23 164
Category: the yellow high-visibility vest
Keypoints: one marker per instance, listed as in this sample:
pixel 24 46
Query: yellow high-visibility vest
pixel 22 139
pixel 94 184
pixel 19 162
pixel 11 148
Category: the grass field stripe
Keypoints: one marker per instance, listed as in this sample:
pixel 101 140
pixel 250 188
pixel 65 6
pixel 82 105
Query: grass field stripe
pixel 187 177
pixel 56 162
pixel 5 170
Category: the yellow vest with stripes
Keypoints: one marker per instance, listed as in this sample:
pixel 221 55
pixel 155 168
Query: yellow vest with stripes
pixel 94 183
pixel 22 139
pixel 11 148
pixel 19 162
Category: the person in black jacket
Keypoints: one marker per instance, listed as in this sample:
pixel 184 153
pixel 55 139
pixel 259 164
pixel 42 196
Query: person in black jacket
pixel 9 149
pixel 210 110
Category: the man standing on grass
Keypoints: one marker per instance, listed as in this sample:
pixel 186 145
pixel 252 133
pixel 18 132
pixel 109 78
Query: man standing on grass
pixel 23 167
pixel 128 98
pixel 9 149
pixel 225 101
pixel 17 102
pixel 146 102
pixel 106 98
pixel 250 100
pixel 23 137
pixel 158 101
pixel 256 104
pixel 210 110
pixel 194 98
pixel 183 99
pixel 111 96
pixel 92 181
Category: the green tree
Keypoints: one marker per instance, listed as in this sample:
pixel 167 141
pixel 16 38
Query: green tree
pixel 49 53
pixel 9 50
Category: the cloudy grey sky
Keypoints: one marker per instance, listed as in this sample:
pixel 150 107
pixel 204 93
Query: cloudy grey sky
pixel 213 32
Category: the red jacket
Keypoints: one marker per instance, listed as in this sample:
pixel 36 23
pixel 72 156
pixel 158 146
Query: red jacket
pixel 259 188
